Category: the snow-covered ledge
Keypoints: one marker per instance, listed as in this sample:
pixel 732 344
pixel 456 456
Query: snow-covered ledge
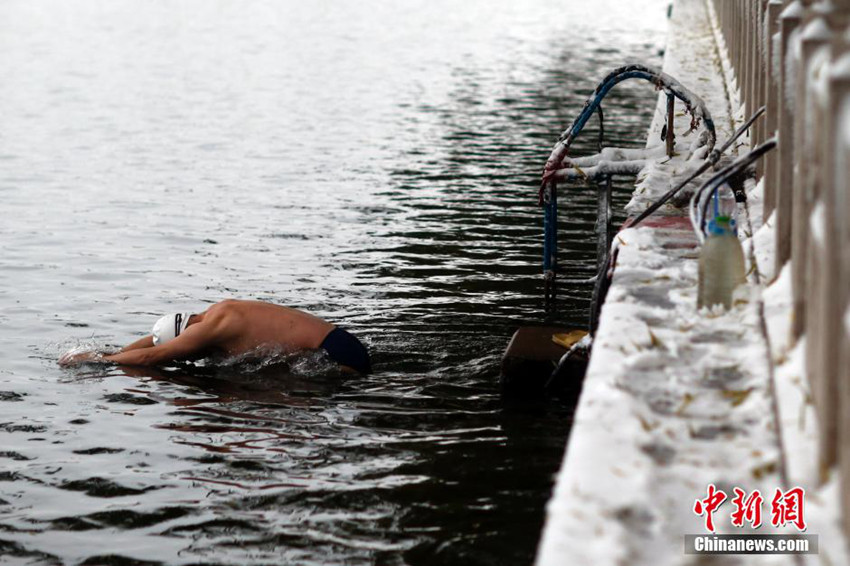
pixel 674 400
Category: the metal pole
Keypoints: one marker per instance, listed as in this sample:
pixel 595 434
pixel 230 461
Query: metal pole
pixel 550 242
pixel 670 139
pixel 604 234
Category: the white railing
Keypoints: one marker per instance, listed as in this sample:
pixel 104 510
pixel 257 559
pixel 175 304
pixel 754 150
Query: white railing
pixel 794 57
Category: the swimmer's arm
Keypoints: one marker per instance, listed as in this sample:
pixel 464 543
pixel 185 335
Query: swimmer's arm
pixel 77 358
pixel 194 341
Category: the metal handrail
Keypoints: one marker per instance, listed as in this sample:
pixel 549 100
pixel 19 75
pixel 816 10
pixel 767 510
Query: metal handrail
pixel 548 190
pixel 662 81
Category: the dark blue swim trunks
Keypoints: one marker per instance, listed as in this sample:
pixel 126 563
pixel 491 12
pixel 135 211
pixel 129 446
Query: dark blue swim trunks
pixel 346 350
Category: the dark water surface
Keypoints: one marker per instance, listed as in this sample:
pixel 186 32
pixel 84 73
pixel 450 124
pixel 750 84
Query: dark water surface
pixel 373 162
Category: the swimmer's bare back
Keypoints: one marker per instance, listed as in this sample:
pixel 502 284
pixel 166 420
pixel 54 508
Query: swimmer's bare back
pixel 244 326
pixel 231 327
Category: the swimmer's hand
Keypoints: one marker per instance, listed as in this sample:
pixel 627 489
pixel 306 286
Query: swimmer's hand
pixel 75 358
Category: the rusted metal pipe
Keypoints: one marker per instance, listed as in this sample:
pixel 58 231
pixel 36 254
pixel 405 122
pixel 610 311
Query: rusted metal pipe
pixel 670 138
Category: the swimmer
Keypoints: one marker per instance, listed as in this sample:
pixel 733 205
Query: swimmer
pixel 231 328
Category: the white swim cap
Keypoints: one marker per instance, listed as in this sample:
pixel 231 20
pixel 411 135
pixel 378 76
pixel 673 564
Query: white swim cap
pixel 169 327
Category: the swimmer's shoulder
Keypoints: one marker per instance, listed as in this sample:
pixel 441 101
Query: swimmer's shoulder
pixel 226 309
pixel 226 320
pixel 241 309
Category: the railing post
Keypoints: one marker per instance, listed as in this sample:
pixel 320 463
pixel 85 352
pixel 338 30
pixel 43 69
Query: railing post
pixel 838 192
pixel 814 36
pixel 749 62
pixel 759 74
pixel 788 22
pixel 810 253
pixel 773 100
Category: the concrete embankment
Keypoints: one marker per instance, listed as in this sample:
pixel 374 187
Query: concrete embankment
pixel 675 399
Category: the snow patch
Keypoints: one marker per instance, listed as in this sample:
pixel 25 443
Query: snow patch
pixel 764 243
pixel 776 51
pixel 817 223
pixel 817 30
pixel 841 67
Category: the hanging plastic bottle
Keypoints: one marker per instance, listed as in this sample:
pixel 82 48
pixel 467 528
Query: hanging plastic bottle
pixel 723 205
pixel 721 261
